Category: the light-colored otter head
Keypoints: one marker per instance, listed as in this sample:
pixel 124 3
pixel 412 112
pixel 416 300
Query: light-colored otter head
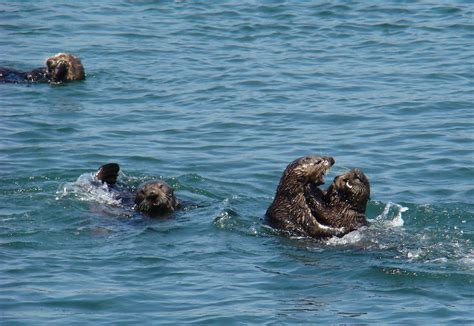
pixel 309 169
pixel 65 67
pixel 352 186
pixel 155 198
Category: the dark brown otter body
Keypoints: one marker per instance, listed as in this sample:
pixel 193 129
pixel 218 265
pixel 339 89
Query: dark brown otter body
pixel 154 198
pixel 344 203
pixel 38 75
pixel 63 67
pixel 290 210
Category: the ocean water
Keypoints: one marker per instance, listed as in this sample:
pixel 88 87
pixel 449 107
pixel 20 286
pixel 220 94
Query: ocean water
pixel 217 98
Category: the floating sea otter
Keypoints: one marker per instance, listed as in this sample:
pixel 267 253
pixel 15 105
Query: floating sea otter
pixel 290 210
pixel 344 203
pixel 302 209
pixel 63 67
pixel 153 198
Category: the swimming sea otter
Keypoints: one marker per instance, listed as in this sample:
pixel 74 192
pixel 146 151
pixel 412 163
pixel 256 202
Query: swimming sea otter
pixel 63 67
pixel 344 203
pixel 290 210
pixel 153 198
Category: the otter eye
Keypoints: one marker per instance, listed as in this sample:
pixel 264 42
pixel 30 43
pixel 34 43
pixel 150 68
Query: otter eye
pixel 49 63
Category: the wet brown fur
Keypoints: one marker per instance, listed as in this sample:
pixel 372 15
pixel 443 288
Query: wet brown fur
pixel 344 203
pixel 65 67
pixel 290 210
pixel 62 67
pixel 153 198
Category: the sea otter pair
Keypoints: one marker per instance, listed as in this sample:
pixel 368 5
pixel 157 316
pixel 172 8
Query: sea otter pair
pixel 301 208
pixel 63 67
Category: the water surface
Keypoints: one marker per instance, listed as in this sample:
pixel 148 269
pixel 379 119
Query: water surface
pixel 217 99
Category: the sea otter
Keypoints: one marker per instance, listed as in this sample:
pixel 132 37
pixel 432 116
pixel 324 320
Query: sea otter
pixel 153 198
pixel 344 203
pixel 63 67
pixel 290 210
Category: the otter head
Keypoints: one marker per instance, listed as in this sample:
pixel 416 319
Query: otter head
pixel 64 67
pixel 353 187
pixel 155 198
pixel 309 169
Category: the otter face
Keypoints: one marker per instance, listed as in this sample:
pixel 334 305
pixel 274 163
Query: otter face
pixel 310 169
pixel 155 198
pixel 353 186
pixel 64 67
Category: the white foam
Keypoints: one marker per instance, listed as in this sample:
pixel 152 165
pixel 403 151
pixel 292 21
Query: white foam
pixel 88 188
pixel 414 254
pixel 468 260
pixel 350 238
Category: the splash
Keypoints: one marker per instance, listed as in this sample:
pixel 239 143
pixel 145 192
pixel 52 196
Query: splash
pixel 392 215
pixel 88 188
pixel 468 260
pixel 227 219
pixel 390 218
pixel 350 238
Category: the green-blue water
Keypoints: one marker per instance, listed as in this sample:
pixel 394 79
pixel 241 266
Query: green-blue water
pixel 217 98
